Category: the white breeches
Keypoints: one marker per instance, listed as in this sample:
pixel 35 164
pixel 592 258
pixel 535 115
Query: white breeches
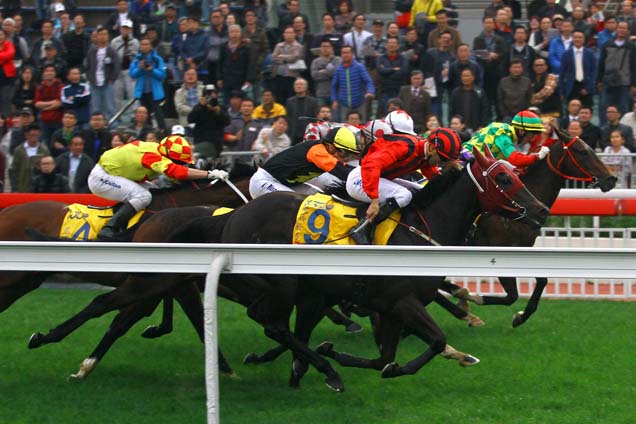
pixel 262 182
pixel 119 189
pixel 397 188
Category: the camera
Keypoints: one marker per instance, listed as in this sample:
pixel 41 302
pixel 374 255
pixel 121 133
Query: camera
pixel 210 91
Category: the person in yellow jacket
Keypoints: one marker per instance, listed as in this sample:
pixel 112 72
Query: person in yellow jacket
pixel 122 173
pixel 429 7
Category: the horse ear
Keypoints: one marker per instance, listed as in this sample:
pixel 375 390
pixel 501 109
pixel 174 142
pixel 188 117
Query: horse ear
pixel 488 152
pixel 479 157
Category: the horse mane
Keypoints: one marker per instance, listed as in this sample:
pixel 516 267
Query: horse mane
pixel 436 187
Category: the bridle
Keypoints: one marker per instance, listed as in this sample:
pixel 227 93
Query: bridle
pixel 567 154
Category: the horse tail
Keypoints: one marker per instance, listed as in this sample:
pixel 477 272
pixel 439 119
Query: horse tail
pixel 207 229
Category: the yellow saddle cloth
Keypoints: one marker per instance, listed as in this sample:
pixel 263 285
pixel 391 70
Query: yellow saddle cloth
pixel 323 220
pixel 83 222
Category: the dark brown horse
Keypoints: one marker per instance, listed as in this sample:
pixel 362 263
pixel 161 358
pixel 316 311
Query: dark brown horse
pixel 569 159
pixel 502 191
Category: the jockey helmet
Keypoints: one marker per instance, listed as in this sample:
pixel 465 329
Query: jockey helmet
pixel 400 122
pixel 528 121
pixel 376 128
pixel 343 138
pixel 176 148
pixel 447 143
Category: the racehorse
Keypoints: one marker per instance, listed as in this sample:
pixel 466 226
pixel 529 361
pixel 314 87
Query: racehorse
pixel 570 158
pixel 270 219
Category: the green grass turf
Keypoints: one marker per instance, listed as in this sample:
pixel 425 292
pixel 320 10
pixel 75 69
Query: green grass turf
pixel 571 363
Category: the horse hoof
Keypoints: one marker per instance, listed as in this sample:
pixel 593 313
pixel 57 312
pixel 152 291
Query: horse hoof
pixel 86 367
pixel 463 305
pixel 325 349
pixel 294 380
pixel 354 327
pixel 299 367
pixel 335 383
pixel 475 321
pixel 390 370
pixel 225 369
pixel 462 293
pixel 251 358
pixel 518 319
pixel 231 375
pixel 468 360
pixel 153 332
pixel 36 340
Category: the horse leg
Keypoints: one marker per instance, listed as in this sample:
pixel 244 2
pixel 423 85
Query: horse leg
pixel 269 356
pixel 16 285
pixel 339 319
pixel 465 359
pixel 522 316
pixel 135 289
pixel 165 327
pixel 457 312
pixel 509 285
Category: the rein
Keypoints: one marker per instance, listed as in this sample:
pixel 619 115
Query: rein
pixel 568 154
pixel 428 237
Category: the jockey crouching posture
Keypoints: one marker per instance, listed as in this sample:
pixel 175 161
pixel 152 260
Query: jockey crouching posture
pixel 121 171
pixel 376 180
pixel 307 162
pixel 501 139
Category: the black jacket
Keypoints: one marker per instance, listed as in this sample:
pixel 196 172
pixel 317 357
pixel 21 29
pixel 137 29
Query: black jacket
pixel 236 67
pixel 298 107
pixel 50 183
pixel 80 182
pixel 77 46
pixel 93 147
pixel 209 125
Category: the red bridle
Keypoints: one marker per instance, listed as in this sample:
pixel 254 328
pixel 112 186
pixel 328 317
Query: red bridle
pixel 491 196
pixel 588 177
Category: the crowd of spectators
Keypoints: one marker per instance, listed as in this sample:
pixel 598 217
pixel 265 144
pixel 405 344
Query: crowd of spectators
pixel 236 80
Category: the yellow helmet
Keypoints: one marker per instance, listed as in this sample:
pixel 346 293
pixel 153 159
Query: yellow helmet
pixel 176 148
pixel 343 138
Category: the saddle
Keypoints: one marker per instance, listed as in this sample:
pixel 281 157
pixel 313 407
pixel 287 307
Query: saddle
pixel 84 222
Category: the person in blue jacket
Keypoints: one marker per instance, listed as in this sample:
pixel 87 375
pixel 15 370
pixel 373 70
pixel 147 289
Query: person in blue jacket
pixel 351 86
pixel 149 70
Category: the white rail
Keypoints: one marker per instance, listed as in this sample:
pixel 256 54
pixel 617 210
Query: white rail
pixel 314 260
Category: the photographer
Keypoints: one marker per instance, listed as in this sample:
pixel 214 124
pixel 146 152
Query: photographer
pixel 149 70
pixel 209 120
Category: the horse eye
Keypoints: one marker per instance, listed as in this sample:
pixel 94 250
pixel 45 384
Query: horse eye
pixel 503 180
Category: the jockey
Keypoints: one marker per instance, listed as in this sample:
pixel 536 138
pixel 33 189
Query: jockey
pixel 390 156
pixel 501 137
pixel 306 161
pixel 123 171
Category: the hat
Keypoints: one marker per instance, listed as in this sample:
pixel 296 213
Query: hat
pixel 26 111
pixel 177 130
pixel 59 7
pixel 558 16
pixel 378 22
pixel 127 23
pixel 171 6
pixel 48 45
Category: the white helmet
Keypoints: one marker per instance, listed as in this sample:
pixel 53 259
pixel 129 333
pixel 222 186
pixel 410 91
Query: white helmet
pixel 400 121
pixel 376 128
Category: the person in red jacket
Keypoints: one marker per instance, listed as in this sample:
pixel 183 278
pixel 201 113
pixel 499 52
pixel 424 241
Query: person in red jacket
pixel 376 180
pixel 48 102
pixel 7 79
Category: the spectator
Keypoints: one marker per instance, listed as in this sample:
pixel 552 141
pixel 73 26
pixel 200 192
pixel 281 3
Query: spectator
pixel 209 120
pixel 61 138
pixel 49 180
pixel 494 7
pixel 578 71
pixel 357 36
pixel 374 47
pixel 617 71
pixel 119 139
pixel 608 33
pixel 117 18
pixel 551 9
pixel 580 24
pixel 8 74
pixel 234 104
pixel 559 45
pixel 393 69
pixel 544 88
pixel 194 50
pixel 323 69
pixel 52 57
pixel 416 100
pixel 329 32
pixel 629 119
pixel 63 25
pixel 75 165
pixel 490 50
pixel 22 52
pixel 271 141
pixel 514 92
pixel 415 53
pixel 463 61
pixel 299 108
pixel 47 102
pixel 540 40
pixel 353 118
pixel 168 28
pixel 575 129
pixel 431 123
pixel 126 46
pixel 18 135
pixel 423 16
pixel 332 6
pixel 76 97
pixel 188 95
pixel 573 109
pixel 613 123
pixel 257 37
pixel 286 53
pixel 458 125
pixel 268 109
pixel 617 161
pixel 76 43
pixel 443 26
pixel 470 101
pixel 627 15
pixel 443 59
pixel 237 70
pixel 140 126
pixel 306 40
pixel 176 63
pixel 217 37
pixel 293 12
pixel 240 136
pixel 141 11
pixel 96 137
pixel 324 114
pixel 345 17
pixel 102 69
pixel 350 86
pixel 25 158
pixel 521 50
pixel 591 134
pixel 149 70
pixel 38 52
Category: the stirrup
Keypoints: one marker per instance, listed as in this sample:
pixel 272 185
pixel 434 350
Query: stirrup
pixel 362 233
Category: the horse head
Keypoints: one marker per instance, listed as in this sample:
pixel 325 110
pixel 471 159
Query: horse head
pixel 571 158
pixel 501 191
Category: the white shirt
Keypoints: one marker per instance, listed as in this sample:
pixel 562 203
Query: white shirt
pixel 31 151
pixel 99 73
pixel 566 43
pixel 578 64
pixel 359 38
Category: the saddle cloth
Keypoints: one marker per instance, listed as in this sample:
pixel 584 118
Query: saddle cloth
pixel 83 222
pixel 323 220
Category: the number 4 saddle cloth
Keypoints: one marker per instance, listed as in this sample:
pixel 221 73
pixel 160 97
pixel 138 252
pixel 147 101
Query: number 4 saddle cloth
pixel 323 220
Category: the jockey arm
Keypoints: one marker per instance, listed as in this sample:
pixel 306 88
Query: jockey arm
pixel 163 165
pixel 319 156
pixel 504 143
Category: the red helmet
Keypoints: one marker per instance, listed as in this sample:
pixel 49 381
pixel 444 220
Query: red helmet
pixel 177 148
pixel 447 143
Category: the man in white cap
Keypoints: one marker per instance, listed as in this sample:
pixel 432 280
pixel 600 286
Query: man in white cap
pixel 126 47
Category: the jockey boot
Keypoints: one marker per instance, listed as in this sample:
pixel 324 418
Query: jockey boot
pixel 363 233
pixel 118 221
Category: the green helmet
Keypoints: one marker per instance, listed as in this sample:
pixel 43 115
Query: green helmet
pixel 528 121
